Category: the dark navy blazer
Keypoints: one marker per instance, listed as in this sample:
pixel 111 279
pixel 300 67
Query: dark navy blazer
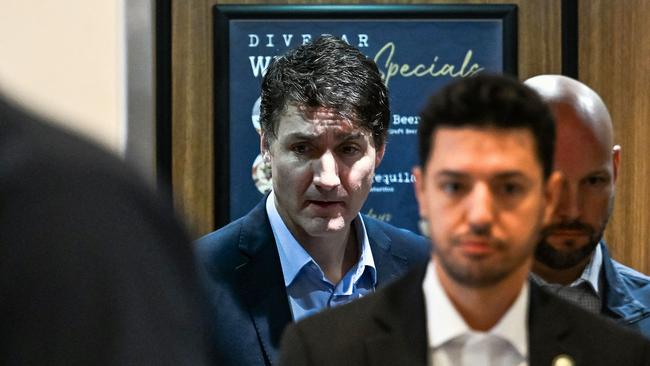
pixel 389 328
pixel 242 274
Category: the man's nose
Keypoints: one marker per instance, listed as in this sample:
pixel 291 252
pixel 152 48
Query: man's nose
pixel 326 171
pixel 568 208
pixel 481 209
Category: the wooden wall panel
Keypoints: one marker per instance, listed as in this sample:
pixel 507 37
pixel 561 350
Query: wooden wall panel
pixel 192 110
pixel 192 157
pixel 614 59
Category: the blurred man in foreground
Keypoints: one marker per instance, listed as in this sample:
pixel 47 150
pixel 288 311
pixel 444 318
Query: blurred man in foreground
pixel 484 189
pixel 572 259
pixel 94 270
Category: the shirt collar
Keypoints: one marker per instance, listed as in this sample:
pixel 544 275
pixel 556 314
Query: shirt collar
pixel 293 257
pixel 444 323
pixel 591 272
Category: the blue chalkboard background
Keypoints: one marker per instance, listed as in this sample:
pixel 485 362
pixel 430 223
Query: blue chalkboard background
pixel 416 56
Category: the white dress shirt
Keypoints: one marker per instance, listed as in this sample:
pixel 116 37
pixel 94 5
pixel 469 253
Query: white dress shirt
pixel 453 342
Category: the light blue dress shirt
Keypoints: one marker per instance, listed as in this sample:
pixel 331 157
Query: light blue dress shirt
pixel 307 288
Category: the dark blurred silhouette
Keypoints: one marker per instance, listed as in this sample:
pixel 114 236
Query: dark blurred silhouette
pixel 94 269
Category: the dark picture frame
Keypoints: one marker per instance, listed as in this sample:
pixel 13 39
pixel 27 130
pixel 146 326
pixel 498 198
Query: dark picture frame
pixel 225 16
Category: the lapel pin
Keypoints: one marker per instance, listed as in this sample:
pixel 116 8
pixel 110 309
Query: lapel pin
pixel 563 360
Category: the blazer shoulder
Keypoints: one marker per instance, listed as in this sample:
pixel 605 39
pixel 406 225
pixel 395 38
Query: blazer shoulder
pixel 333 337
pixel 391 315
pixel 220 248
pixel 221 252
pixel 404 243
pixel 598 340
pixel 353 318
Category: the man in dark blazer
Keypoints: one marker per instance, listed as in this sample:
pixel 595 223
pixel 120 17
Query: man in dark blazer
pixel 572 259
pixel 485 187
pixel 305 246
pixel 94 270
pixel 389 328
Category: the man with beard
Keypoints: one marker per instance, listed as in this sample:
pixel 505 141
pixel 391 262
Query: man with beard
pixel 571 258
pixel 485 188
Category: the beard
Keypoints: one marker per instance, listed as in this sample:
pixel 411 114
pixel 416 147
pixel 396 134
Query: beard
pixel 479 273
pixel 473 277
pixel 546 254
pixel 555 259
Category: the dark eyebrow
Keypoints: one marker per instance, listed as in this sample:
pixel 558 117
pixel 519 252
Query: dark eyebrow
pixel 500 176
pixel 450 174
pixel 510 175
pixel 312 136
pixel 350 136
pixel 599 172
pixel 301 136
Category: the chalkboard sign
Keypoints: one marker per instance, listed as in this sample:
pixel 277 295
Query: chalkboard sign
pixel 418 49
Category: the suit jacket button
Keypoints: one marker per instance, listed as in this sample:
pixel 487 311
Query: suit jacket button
pixel 563 360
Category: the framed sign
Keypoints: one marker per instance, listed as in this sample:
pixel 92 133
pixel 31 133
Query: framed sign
pixel 418 49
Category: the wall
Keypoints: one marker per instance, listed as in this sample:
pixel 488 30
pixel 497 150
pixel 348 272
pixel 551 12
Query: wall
pixel 64 59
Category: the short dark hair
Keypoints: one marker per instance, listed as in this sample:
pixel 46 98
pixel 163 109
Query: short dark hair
pixel 489 101
pixel 327 73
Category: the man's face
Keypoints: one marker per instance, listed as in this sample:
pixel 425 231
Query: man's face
pixel 485 199
pixel 589 166
pixel 322 167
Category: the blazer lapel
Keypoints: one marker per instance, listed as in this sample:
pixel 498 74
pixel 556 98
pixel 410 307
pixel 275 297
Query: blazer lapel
pixel 261 282
pixel 401 320
pixel 548 330
pixel 389 265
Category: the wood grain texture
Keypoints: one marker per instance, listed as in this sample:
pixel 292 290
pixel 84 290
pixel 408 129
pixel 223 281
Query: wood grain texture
pixel 193 172
pixel 614 57
pixel 192 138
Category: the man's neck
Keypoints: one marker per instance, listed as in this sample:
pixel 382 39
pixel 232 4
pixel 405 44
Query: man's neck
pixel 483 307
pixel 335 254
pixel 563 277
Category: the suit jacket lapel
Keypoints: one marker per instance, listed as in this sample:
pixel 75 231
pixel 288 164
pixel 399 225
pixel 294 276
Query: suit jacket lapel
pixel 389 265
pixel 548 329
pixel 401 320
pixel 261 281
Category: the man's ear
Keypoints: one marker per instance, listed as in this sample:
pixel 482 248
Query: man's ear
pixel 263 147
pixel 552 192
pixel 420 195
pixel 265 150
pixel 616 160
pixel 380 155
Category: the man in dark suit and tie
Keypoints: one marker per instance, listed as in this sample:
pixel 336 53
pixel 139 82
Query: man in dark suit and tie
pixel 485 187
pixel 305 247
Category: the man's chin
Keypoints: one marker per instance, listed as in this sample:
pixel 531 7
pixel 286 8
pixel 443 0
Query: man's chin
pixel 326 226
pixel 563 255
